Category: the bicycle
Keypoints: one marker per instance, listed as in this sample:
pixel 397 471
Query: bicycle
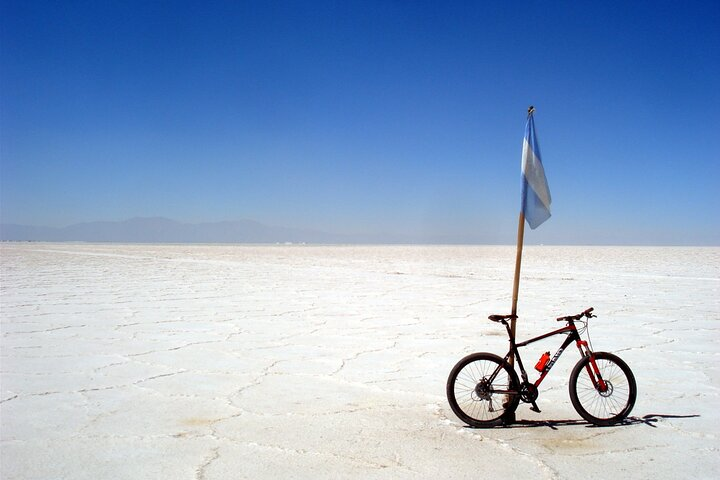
pixel 484 390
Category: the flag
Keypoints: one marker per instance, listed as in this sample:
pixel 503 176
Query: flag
pixel 535 191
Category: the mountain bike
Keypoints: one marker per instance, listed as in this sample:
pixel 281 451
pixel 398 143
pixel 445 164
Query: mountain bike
pixel 484 390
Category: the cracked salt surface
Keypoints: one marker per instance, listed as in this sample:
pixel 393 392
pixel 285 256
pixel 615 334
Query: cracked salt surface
pixel 210 362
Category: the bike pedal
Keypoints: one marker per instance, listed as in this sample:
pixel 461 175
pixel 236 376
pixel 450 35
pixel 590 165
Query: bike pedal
pixel 535 408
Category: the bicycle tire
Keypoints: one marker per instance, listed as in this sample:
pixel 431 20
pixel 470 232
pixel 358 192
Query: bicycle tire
pixel 473 399
pixel 603 408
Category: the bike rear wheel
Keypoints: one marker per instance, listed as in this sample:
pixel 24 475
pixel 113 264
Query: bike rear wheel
pixel 603 407
pixel 482 390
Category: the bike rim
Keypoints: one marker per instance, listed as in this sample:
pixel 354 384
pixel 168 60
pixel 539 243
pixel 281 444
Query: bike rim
pixel 610 403
pixel 476 397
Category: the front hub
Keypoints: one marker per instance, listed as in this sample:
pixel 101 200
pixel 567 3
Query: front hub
pixel 608 389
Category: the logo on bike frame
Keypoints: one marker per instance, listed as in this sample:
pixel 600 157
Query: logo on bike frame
pixel 554 359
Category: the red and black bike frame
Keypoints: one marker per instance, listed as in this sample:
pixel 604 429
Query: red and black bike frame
pixel 572 336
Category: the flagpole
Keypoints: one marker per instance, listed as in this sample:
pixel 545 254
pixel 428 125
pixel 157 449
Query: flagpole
pixel 518 261
pixel 516 281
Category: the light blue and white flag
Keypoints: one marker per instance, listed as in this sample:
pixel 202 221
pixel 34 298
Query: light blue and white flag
pixel 535 191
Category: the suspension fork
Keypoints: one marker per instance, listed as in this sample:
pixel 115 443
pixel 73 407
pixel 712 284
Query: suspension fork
pixel 591 367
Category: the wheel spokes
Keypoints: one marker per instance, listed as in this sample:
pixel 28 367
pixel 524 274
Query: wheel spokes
pixel 476 395
pixel 604 404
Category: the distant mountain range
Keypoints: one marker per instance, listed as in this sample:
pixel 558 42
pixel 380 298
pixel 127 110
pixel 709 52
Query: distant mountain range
pixel 163 230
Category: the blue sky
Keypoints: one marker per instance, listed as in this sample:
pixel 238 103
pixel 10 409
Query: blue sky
pixel 364 117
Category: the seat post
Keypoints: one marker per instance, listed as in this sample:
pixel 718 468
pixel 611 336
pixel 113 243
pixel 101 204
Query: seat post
pixel 511 334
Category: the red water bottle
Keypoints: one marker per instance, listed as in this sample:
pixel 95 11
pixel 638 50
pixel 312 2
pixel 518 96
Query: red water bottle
pixel 540 366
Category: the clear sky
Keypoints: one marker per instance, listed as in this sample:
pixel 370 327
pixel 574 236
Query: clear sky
pixel 364 117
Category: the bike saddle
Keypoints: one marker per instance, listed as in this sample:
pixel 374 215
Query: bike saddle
pixel 500 318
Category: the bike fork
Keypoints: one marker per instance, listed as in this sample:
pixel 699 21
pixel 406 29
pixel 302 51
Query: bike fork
pixel 592 369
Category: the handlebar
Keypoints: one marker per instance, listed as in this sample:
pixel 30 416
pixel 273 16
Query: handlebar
pixel 587 313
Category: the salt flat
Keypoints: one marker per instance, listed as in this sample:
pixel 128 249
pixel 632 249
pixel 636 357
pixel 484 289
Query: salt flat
pixel 217 362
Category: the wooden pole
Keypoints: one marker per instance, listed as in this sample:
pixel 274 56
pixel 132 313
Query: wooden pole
pixel 518 254
pixel 516 281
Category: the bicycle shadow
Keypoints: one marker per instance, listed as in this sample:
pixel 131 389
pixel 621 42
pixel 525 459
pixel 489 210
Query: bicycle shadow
pixel 648 420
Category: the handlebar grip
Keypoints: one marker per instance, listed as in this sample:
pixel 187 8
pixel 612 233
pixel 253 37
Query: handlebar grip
pixel 586 313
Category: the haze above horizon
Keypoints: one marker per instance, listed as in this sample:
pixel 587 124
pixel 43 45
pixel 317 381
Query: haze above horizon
pixel 363 118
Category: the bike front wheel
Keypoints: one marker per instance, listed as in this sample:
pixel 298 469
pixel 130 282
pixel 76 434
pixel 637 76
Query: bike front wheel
pixel 598 406
pixel 482 389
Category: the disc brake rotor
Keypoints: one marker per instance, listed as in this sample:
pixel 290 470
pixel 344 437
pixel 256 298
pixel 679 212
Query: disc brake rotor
pixel 608 390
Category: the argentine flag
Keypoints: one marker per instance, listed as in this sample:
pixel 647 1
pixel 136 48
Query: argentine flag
pixel 535 191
